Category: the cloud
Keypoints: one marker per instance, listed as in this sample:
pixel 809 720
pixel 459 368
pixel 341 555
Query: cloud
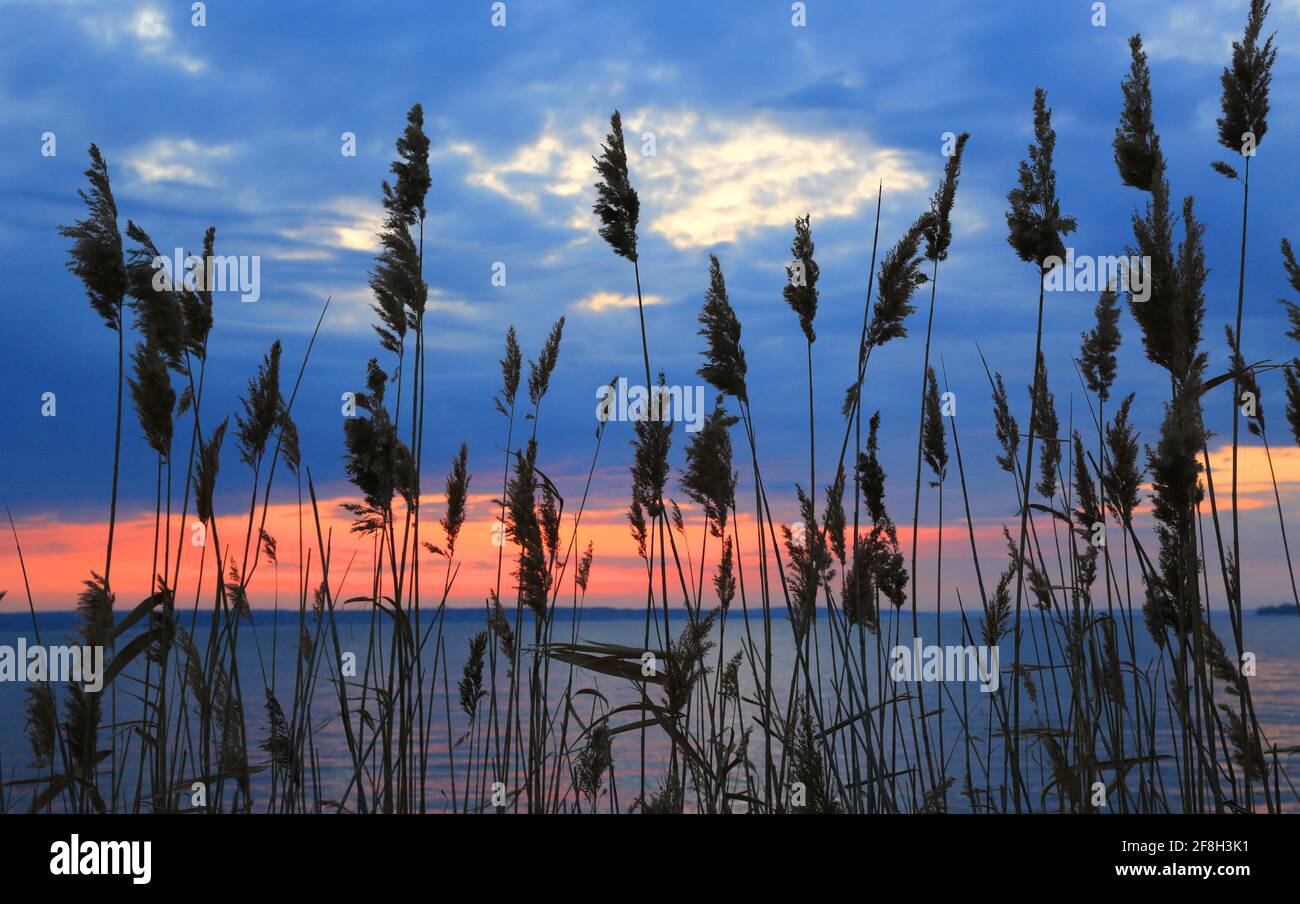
pixel 608 301
pixel 146 27
pixel 703 180
pixel 1254 484
pixel 57 549
pixel 340 224
pixel 351 306
pixel 1201 35
pixel 296 254
pixel 550 165
pixel 177 160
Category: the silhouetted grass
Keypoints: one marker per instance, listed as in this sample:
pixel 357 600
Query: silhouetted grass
pixel 1076 724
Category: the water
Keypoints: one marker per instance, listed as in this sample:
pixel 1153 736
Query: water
pixel 270 648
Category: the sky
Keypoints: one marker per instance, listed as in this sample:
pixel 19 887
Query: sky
pixel 240 124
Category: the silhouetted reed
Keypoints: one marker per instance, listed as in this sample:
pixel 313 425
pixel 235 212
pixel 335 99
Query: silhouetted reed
pixel 840 732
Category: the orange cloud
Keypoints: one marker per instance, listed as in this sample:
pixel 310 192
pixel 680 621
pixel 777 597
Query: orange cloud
pixel 59 554
pixel 1254 480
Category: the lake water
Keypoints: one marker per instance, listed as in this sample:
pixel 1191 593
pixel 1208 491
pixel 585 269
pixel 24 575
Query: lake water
pixel 271 648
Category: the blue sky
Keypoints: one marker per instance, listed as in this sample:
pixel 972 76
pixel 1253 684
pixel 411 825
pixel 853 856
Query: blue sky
pixel 237 124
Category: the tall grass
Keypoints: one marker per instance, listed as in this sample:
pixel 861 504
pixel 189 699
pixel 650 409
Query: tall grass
pixel 538 716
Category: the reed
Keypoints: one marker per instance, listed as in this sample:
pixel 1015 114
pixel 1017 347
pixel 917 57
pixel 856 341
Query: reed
pixel 541 716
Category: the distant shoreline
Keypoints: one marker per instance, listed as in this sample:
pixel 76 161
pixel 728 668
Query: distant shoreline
pixel 589 613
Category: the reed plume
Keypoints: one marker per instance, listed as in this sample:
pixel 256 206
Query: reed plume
pixel 377 462
pixel 617 205
pixel 1097 352
pixel 396 280
pixel 471 681
pixel 511 367
pixel 96 259
pixel 939 236
pixel 594 760
pixel 878 560
pixel 807 768
pixel 800 290
pixel 205 472
pixel 1245 82
pixel 1124 476
pixel 1175 470
pixel 900 277
pixel 159 313
pixel 1035 223
pixel 1045 427
pixel 583 574
pixel 457 493
pixel 708 478
pixel 96 253
pixel 1005 426
pixel 653 439
pixel 934 445
pixel 154 398
pixel 196 305
pixel 724 358
pixel 262 409
pixel 1137 146
pixel 41 724
pixel 724 580
pixel 1291 371
pixel 524 528
pixel 810 565
pixel 539 371
pixel 684 661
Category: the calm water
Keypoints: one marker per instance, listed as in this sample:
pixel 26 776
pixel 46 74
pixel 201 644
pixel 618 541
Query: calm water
pixel 271 649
